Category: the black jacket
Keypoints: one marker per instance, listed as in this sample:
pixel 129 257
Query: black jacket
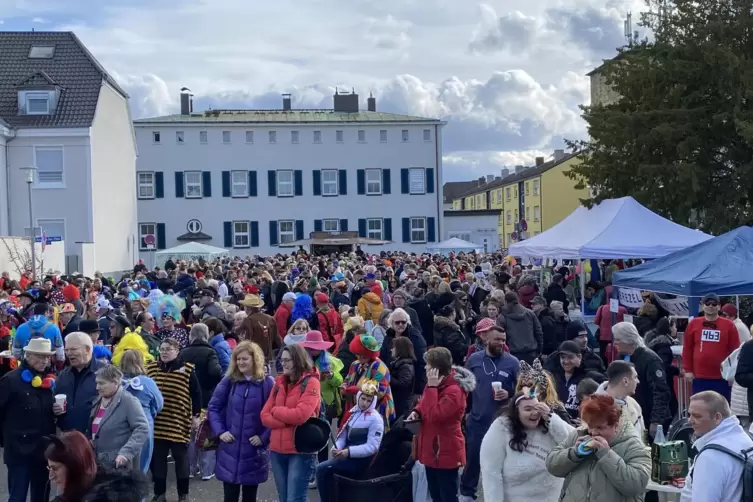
pixel 344 354
pixel 653 393
pixel 744 375
pixel 72 325
pixel 555 292
pixel 419 349
pixel 662 345
pixel 567 388
pixel 549 329
pixel 402 375
pixel 25 417
pixel 207 367
pixel 425 319
pixel 447 334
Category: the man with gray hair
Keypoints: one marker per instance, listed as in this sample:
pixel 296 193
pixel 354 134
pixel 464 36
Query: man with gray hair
pixel 652 393
pixel 78 383
pixel 722 444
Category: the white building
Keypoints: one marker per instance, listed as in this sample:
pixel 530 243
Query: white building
pixel 61 113
pixel 249 180
pixel 480 226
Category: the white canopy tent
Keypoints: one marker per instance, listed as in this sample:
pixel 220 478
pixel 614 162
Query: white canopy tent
pixel 189 251
pixel 613 229
pixel 454 245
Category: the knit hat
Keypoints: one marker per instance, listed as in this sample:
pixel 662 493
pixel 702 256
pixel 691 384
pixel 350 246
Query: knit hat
pixel 574 329
pixel 366 346
pixel 71 292
pixel 376 288
pixel 485 325
pixel 321 298
pixel 729 309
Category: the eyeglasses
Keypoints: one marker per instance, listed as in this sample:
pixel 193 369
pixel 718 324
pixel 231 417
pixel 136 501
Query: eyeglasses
pixel 285 361
pixel 401 323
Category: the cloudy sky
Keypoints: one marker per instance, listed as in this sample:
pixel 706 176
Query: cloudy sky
pixel 508 75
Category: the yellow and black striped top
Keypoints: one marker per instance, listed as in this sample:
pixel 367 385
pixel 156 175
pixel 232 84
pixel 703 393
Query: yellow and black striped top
pixel 173 423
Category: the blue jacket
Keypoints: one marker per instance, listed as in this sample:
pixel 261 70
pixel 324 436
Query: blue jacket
pixel 222 348
pixel 146 391
pixel 489 369
pixel 33 327
pixel 80 387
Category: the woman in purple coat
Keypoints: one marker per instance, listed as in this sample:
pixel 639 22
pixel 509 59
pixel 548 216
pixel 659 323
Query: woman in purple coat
pixel 235 416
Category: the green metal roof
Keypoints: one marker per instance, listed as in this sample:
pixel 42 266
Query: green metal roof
pixel 283 117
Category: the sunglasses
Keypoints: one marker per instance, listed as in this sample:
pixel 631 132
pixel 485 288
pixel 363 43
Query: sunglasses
pixel 401 323
pixel 711 304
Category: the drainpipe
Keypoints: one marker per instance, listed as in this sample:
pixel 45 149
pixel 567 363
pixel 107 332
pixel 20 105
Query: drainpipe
pixel 437 188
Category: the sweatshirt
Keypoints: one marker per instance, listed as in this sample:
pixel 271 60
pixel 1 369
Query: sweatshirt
pixel 508 475
pixel 717 476
pixel 706 345
pixel 489 369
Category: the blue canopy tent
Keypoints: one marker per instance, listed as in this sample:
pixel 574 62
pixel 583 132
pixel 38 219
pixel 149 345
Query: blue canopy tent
pixel 720 265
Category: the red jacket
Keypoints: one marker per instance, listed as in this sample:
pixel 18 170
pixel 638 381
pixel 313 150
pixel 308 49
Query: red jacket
pixel 604 320
pixel 282 314
pixel 526 294
pixel 289 406
pixel 331 326
pixel 706 344
pixel 441 444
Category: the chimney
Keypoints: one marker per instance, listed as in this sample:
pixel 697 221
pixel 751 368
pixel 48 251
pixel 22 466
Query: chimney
pixel 559 155
pixel 286 102
pixel 347 102
pixel 371 103
pixel 539 161
pixel 520 169
pixel 186 101
pixel 489 178
pixel 505 172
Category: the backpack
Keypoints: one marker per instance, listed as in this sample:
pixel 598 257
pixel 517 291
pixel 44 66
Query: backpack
pixel 746 457
pixel 322 406
pixel 39 333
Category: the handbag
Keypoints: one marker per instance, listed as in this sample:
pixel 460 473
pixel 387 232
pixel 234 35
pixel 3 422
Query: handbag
pixel 206 440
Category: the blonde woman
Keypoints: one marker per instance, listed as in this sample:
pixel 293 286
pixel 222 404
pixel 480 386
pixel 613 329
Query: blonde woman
pixel 235 416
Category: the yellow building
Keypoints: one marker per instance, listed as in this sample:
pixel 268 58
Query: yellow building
pixel 541 196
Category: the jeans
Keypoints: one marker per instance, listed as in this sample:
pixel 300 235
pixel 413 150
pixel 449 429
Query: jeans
pixel 472 470
pixel 325 473
pixel 32 473
pixel 200 461
pixel 443 484
pixel 233 492
pixel 292 472
pixel 162 447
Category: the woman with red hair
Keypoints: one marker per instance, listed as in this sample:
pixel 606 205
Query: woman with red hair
pixel 605 461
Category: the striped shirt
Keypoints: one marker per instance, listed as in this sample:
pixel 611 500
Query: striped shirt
pixel 173 423
pixel 97 419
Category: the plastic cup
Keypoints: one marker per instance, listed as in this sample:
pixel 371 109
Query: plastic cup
pixel 62 400
pixel 497 386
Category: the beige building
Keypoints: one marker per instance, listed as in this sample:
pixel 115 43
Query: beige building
pixel 601 92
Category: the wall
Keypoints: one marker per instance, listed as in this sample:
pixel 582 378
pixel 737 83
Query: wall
pixel 559 195
pixel 3 186
pixel 511 205
pixel 601 92
pixel 169 157
pixel 113 160
pixel 52 259
pixel 532 200
pixel 478 226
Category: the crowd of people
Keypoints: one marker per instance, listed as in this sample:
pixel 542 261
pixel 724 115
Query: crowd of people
pixel 237 367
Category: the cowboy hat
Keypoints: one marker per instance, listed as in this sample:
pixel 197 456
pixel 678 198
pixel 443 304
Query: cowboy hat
pixel 315 341
pixel 251 301
pixel 312 436
pixel 39 346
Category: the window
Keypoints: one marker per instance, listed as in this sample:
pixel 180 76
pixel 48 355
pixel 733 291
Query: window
pixel 466 236
pixel 329 182
pixel 287 232
pixel 383 136
pixel 478 201
pixel 535 187
pixel 536 213
pixel 427 134
pixel 339 136
pixel 272 137
pixel 417 180
pixel 405 135
pixel 331 225
pixel 249 137
pixel 517 218
pixel 241 234
pixel 499 195
pixel 473 202
pixel 373 181
pixel 418 229
pixel 374 228
pixel 38 103
pixel 294 137
pixel 41 52
pixel 226 137
pixel 516 192
pixel 527 188
pixel 507 194
pixel 317 136
pixel 50 165
pixel 361 136
pixel 156 137
pixel 203 138
pixel 146 185
pixel 285 183
pixel 180 137
pixel 509 217
pixel 144 230
pixel 528 213
pixel 192 180
pixel 239 183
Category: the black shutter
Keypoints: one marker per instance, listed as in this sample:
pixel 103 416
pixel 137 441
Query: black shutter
pixel 298 176
pixel 342 181
pixel 179 188
pixel 226 190
pixel 253 190
pixel 317 182
pixel 405 181
pixel 206 184
pixel 272 180
pixel 298 230
pixel 254 234
pixel 272 232
pixel 361 227
pixel 386 182
pixel 406 229
pixel 344 225
pixel 361 182
pixel 387 222
pixel 228 231
pixel 430 180
pixel 431 231
pixel 317 225
pixel 161 236
pixel 159 185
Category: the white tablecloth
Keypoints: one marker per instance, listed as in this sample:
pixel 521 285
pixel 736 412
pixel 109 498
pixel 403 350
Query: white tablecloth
pixel 667 493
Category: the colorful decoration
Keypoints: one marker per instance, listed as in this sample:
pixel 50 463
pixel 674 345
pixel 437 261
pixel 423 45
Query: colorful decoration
pixel 48 382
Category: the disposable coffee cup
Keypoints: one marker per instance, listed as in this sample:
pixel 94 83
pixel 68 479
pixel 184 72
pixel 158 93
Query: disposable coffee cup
pixel 497 386
pixel 62 400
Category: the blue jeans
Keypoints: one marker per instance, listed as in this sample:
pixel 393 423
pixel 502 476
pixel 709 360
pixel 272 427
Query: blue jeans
pixel 325 473
pixel 32 473
pixel 200 460
pixel 292 472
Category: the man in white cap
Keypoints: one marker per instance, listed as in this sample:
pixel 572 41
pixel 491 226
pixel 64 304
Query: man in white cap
pixel 26 398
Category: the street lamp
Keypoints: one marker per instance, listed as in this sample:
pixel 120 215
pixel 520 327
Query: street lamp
pixel 30 181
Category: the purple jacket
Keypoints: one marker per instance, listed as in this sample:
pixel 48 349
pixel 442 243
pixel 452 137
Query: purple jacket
pixel 236 407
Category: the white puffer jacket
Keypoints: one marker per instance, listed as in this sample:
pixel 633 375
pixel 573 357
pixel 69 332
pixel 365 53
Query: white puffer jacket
pixel 739 402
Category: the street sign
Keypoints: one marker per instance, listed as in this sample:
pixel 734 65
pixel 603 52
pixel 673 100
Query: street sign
pixel 523 225
pixel 150 239
pixel 49 239
pixel 514 236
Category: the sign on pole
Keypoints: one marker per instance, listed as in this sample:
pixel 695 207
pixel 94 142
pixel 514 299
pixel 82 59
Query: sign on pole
pixel 150 240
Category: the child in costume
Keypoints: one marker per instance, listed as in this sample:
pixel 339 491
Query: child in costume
pixel 369 367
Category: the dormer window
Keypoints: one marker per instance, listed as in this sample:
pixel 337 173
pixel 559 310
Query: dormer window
pixel 37 103
pixel 41 51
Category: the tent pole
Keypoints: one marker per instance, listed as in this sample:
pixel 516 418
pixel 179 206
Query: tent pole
pixel 737 303
pixel 582 287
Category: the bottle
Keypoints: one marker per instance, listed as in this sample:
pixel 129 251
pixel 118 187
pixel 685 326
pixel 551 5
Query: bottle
pixel 659 437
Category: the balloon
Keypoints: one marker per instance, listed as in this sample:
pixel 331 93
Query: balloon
pixel 578 269
pixel 587 266
pixel 36 381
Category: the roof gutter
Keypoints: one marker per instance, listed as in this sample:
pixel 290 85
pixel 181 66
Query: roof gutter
pixel 9 135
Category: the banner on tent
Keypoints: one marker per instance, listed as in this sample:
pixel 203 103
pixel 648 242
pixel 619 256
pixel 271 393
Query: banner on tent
pixel 632 299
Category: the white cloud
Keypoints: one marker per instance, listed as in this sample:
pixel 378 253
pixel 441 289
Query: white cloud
pixel 39 20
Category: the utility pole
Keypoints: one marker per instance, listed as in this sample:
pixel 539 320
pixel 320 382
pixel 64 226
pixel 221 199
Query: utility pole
pixel 32 230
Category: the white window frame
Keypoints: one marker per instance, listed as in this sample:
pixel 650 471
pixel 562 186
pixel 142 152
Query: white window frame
pixel 330 186
pixel 249 137
pixel 536 213
pixel 203 137
pixel 295 137
pixel 39 183
pixel 144 231
pixel 377 181
pixel 192 184
pixel 418 225
pixel 317 137
pixel 377 232
pixel 239 188
pixel 427 134
pixel 383 135
pixel 331 225
pixel 240 234
pixel 147 184
pixel 362 136
pixel 180 137
pixel 38 96
pixel 405 135
pixel 509 217
pixel 272 137
pixel 528 213
pixel 285 183
pixel 528 187
pixel 157 137
pixel 339 136
pixel 507 194
pixel 417 175
pixel 285 236
pixel 536 187
pixel 227 137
